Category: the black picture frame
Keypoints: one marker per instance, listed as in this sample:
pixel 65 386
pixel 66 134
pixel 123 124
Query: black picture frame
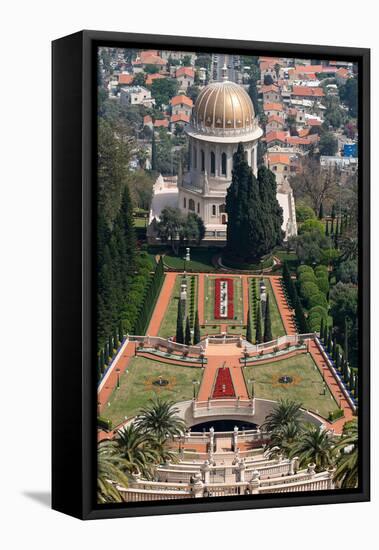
pixel 73 205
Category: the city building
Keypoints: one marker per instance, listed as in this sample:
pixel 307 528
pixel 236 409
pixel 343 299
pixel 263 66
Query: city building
pixel 185 77
pixel 136 95
pixel 181 104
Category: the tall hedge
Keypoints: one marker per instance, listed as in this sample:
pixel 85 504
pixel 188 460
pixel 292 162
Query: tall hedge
pixel 150 299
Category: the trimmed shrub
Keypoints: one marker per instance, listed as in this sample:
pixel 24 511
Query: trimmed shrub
pixel 307 277
pixel 317 299
pixel 304 269
pixel 323 284
pixel 321 311
pixel 321 269
pixel 314 323
pixel 335 415
pixel 308 289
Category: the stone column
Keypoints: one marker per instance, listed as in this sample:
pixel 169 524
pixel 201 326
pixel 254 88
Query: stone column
pixel 330 478
pixel 241 470
pixel 254 483
pixel 197 486
pixel 294 465
pixel 205 470
pixel 235 438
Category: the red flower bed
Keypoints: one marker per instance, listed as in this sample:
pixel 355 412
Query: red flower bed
pixel 223 302
pixel 224 385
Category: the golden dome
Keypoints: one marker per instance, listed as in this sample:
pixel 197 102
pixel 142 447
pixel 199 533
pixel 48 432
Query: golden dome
pixel 223 106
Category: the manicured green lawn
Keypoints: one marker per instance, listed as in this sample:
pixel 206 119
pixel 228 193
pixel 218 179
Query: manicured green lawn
pixel 289 257
pixel 209 297
pixel 306 388
pixel 277 326
pixel 136 387
pixel 168 326
pixel 201 260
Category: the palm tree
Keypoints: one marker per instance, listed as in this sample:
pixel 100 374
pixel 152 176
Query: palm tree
pixel 111 467
pixel 160 419
pixel 315 445
pixel 285 412
pixel 137 448
pixel 283 439
pixel 346 474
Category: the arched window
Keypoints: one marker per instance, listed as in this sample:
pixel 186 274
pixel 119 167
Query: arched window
pixel 221 208
pixel 213 209
pixel 194 157
pixel 213 163
pixel 198 208
pixel 191 205
pixel 185 202
pixel 223 164
pixel 202 161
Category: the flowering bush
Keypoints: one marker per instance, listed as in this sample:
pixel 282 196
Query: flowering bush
pixel 223 306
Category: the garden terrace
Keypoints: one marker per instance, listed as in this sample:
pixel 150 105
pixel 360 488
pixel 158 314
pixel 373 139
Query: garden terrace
pixel 136 386
pixel 168 325
pixel 307 385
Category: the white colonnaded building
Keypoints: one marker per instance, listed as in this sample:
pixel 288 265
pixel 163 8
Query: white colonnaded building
pixel 222 117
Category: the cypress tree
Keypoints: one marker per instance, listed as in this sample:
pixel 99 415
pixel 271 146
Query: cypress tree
pixel 338 361
pixel 179 324
pixel 120 332
pixel 249 335
pixel 327 228
pixel 322 329
pixel 351 381
pixel 196 332
pixel 187 339
pixel 356 386
pixel 333 214
pixel 267 336
pixel 329 344
pixel 332 227
pixel 106 357
pixel 111 346
pixel 253 211
pixel 102 361
pixel 334 349
pixel 346 345
pixel 301 321
pixel 321 212
pixel 116 339
pixel 258 324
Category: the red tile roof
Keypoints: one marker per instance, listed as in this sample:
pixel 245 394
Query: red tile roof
pixel 276 135
pixel 178 99
pixel 151 77
pixel 126 79
pixel 188 71
pixel 307 91
pixel 180 117
pixel 149 57
pixel 278 158
pixel 314 122
pixel 147 120
pixel 161 123
pixel 303 132
pixel 272 107
pixel 275 118
pixel 270 88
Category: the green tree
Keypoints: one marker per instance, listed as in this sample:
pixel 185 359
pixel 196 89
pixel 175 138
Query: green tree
pixel 139 79
pixel 346 474
pixel 249 334
pixel 169 226
pixel 253 211
pixel 179 323
pixel 187 337
pixel 328 144
pixel 321 212
pixel 137 449
pixel 161 419
pixel 111 468
pixel 315 446
pixel 267 336
pixel 284 413
pixel 164 89
pixel 258 324
pixel 153 152
pixel 196 333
